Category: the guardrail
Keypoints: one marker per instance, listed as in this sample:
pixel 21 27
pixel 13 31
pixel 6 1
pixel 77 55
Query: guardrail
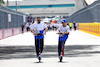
pixel 92 28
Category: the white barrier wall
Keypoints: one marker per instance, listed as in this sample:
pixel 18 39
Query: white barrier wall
pixel 5 33
pixel 1 34
pixel 16 31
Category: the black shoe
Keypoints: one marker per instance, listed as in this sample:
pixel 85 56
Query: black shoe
pixel 39 59
pixel 61 59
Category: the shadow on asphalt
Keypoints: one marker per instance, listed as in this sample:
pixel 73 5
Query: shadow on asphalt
pixel 62 62
pixel 38 62
pixel 18 52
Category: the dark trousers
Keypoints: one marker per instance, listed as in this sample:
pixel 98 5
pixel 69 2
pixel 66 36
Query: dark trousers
pixel 74 27
pixel 27 29
pixel 53 27
pixel 22 30
pixel 59 47
pixel 37 45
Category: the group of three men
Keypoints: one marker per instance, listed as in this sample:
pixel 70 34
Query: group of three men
pixel 42 29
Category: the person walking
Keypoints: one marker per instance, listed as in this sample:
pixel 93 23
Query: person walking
pixel 22 28
pixel 75 25
pixel 27 26
pixel 70 25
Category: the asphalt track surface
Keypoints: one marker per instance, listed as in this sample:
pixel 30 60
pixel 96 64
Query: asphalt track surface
pixel 81 50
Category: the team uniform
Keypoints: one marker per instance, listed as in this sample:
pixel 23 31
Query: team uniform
pixel 65 37
pixel 39 28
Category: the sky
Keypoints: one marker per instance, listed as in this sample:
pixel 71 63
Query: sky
pixel 90 1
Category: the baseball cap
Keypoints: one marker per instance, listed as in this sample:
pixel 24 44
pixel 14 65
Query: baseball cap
pixel 64 20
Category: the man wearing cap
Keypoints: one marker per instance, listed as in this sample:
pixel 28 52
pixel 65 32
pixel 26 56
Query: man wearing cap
pixel 64 29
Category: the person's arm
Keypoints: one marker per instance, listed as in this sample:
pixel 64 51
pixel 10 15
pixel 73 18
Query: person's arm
pixel 46 29
pixel 31 29
pixel 66 33
pixel 76 24
pixel 58 31
pixel 33 32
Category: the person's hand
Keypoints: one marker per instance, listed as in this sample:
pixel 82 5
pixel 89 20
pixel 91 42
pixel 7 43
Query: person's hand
pixel 35 33
pixel 59 33
pixel 63 34
pixel 43 33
